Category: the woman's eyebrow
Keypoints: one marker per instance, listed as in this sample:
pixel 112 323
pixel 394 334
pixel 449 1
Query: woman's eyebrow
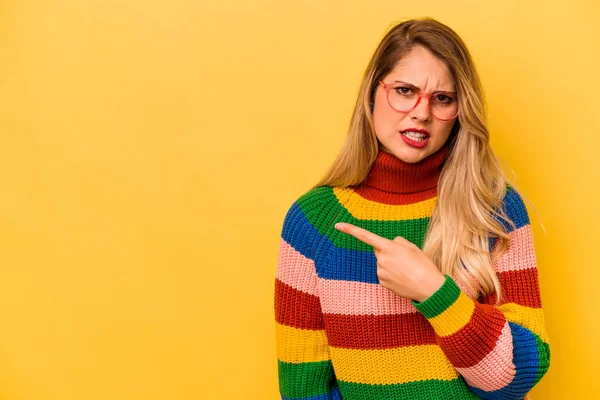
pixel 418 88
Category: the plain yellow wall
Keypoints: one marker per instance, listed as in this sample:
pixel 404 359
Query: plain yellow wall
pixel 150 150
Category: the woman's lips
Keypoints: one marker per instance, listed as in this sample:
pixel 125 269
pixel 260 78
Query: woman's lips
pixel 423 131
pixel 414 143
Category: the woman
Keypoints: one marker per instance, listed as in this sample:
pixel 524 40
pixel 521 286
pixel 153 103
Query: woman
pixel 408 271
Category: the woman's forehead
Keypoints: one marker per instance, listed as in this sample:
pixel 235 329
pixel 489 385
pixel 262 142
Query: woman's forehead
pixel 422 69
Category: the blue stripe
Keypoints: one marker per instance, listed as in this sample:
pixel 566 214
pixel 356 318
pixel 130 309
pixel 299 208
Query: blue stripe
pixel 515 209
pixel 347 264
pixel 334 394
pixel 526 360
pixel 299 233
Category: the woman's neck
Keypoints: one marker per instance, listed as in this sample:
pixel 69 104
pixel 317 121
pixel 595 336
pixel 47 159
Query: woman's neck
pixel 393 181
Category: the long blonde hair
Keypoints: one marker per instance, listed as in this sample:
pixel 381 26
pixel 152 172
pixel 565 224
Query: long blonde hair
pixel 472 183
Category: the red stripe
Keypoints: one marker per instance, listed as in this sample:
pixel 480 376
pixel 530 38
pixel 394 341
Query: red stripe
pixel 378 331
pixel 394 198
pixel 520 287
pixel 471 343
pixel 296 308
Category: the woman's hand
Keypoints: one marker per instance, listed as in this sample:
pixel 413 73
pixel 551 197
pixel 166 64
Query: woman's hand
pixel 402 267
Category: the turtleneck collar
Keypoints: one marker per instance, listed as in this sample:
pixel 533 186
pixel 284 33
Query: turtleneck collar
pixel 394 181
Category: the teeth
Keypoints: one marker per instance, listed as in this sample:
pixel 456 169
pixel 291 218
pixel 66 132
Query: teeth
pixel 415 135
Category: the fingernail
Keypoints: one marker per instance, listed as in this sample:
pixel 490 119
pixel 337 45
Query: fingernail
pixel 339 226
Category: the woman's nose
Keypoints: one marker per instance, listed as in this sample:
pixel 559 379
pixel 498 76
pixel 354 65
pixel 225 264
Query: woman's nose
pixel 422 111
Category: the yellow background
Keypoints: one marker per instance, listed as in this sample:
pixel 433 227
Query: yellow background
pixel 150 150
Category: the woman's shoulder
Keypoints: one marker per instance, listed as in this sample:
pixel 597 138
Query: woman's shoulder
pixel 313 207
pixel 317 196
pixel 318 199
pixel 514 206
pixel 308 217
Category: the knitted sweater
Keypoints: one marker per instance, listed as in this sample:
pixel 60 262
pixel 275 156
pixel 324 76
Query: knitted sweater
pixel 341 335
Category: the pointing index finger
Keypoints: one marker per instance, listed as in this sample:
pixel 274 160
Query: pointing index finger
pixel 363 235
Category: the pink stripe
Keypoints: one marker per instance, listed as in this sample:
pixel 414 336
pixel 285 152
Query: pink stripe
pixel 360 298
pixel 295 270
pixel 496 369
pixel 520 254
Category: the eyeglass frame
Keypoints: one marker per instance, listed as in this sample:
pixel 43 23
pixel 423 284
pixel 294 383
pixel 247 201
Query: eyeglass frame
pixel 388 86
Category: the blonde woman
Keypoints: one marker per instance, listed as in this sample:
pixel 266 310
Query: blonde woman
pixel 409 271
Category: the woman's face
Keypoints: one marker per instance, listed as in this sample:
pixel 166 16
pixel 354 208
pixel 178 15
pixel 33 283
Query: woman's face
pixel 422 69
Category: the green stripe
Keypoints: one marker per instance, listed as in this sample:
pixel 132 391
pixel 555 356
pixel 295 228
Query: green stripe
pixel 322 209
pixel 543 350
pixel 455 389
pixel 439 301
pixel 305 379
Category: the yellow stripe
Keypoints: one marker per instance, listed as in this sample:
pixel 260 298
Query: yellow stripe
pixel 454 317
pixel 295 345
pixel 390 366
pixel 459 314
pixel 527 317
pixel 361 208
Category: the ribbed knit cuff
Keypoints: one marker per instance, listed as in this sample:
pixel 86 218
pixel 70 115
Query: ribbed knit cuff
pixel 440 300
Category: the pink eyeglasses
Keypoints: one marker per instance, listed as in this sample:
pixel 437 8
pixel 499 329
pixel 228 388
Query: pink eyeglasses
pixel 405 97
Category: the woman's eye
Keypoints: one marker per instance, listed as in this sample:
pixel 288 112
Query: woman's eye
pixel 403 90
pixel 443 98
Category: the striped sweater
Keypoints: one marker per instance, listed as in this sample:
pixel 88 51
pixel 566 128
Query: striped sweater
pixel 341 335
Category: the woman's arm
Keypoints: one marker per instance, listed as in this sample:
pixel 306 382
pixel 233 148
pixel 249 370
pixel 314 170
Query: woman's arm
pixel 304 366
pixel 501 351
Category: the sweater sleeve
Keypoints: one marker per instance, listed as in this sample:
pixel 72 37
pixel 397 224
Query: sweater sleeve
pixel 501 351
pixel 305 370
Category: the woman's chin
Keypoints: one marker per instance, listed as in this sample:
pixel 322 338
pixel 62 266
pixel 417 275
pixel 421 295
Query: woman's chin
pixel 409 155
